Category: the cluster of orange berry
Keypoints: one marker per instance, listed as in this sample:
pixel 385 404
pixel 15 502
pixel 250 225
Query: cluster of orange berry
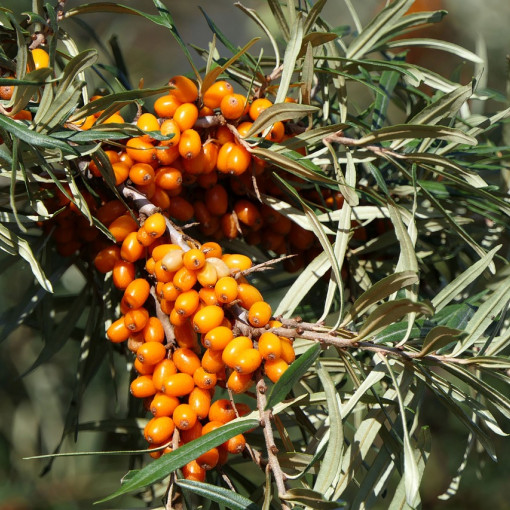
pixel 200 293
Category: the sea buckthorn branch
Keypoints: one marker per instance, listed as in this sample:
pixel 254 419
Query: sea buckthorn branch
pixel 163 317
pixel 272 450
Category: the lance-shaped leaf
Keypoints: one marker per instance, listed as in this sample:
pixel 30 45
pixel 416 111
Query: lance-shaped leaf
pixel 166 464
pixel 279 112
pixel 220 495
pixel 438 337
pixel 292 375
pixel 379 291
pixel 311 499
pixel 391 312
pixel 329 472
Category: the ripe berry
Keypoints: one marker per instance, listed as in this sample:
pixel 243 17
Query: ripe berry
pixel 131 250
pixel 212 361
pixel 222 410
pixel 168 178
pixel 287 354
pixel 192 471
pixel 232 106
pixel 183 89
pixel 208 318
pixel 247 212
pixel 162 371
pixel 141 174
pixel 171 129
pixel 248 361
pixel 137 292
pixel 140 150
pixel 154 331
pixel 155 225
pixel 118 332
pixel 258 106
pixel 209 459
pixel 215 93
pixel 165 106
pixel 207 296
pixel 226 289
pixel 193 433
pixel 234 348
pixel 259 314
pixel 163 405
pixel 105 260
pixel 180 209
pixel 216 200
pixel 135 320
pixel 185 116
pixel 185 336
pixel 218 338
pixel 142 387
pixel 41 58
pixel 269 346
pixel 184 279
pixel 190 144
pixel 184 417
pixel 186 360
pixel 203 379
pixel 151 353
pixel 275 368
pixel 236 444
pixel 233 159
pixel 212 249
pixel 142 369
pixel 122 226
pixel 148 122
pixel 200 401
pixel 159 430
pixel 187 303
pixel 207 276
pixel 178 385
pixel 248 295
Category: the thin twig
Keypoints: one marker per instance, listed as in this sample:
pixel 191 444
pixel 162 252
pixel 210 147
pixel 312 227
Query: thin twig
pixel 163 317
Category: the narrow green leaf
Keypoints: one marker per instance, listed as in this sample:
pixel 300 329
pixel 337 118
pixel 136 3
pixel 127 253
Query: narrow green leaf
pixel 311 499
pixel 212 75
pixel 455 287
pixel 20 131
pixel 292 375
pixel 390 312
pixel 166 464
pixel 11 243
pixel 220 495
pixel 279 112
pixel 328 473
pixel 387 84
pixel 280 18
pixel 75 66
pixel 292 50
pixel 313 14
pixel 438 337
pixel 379 291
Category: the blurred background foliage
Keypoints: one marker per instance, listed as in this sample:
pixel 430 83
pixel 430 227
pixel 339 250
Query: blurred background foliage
pixel 34 406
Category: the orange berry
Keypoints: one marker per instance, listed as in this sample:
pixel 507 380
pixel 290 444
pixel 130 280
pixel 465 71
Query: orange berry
pixel 226 289
pixel 218 338
pixel 190 144
pixel 110 211
pixel 212 249
pixel 178 385
pixel 131 250
pixel 236 444
pixel 258 106
pixel 210 426
pixel 269 345
pixel 41 58
pixel 185 336
pixel 148 190
pixel 170 292
pixel 234 348
pixel 105 260
pixel 114 119
pixel 142 369
pixel 122 226
pixel 207 318
pixel 142 387
pixel 193 259
pixel 184 417
pixel 200 401
pixel 162 275
pixel 232 106
pixel 212 361
pixel 222 411
pixel 163 405
pixel 224 135
pixel 165 106
pixel 301 238
pixel 159 430
pixel 143 237
pixel 120 172
pixel 193 433
pixel 185 116
pixel 172 261
pixel 148 122
pixel 171 127
pixel 187 303
pixel 118 332
pixel 165 154
pixel 248 295
pixel 151 353
pixel 184 279
pixel 233 159
pixel 186 360
pixel 277 132
pixel 160 251
pixel 137 292
pixel 192 471
pixel 153 331
pixel 135 320
pixel 216 200
pixel 207 296
pixel 134 342
pixel 259 314
pixel 181 209
pixel 140 150
pixel 275 368
pixel 207 276
pixel 183 89
pixel 209 459
pixel 248 361
pixel 216 92
pixel 287 354
pixel 244 127
pixel 203 379
pixel 237 261
pixel 175 318
pixel 162 371
pixel 6 91
pixel 248 213
pixel 168 178
pixel 155 225
pixel 141 174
